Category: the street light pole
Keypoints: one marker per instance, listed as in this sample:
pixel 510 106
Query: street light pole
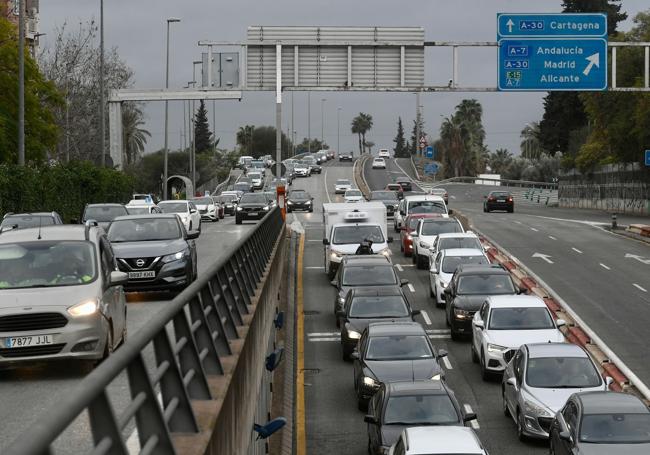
pixel 322 121
pixel 338 130
pixel 21 83
pixel 308 122
pixel 166 150
pixel 102 113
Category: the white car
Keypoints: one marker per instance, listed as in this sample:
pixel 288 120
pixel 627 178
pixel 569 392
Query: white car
pixel 257 180
pixel 437 440
pixel 444 266
pixel 208 208
pixel 455 240
pixel 341 186
pixel 425 234
pixel 353 196
pixel 420 203
pixel 504 323
pixel 378 163
pixel 301 169
pixel 142 209
pixel 384 153
pixel 186 211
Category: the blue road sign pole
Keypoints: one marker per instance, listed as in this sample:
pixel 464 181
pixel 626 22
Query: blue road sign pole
pixel 647 157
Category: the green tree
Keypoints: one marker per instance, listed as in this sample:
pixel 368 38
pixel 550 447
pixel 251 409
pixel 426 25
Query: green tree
pixel 500 160
pixel 245 139
pixel 202 134
pixel 400 143
pixel 453 140
pixel 135 136
pixel 610 7
pixel 470 113
pixel 257 141
pixel 531 146
pixel 361 124
pixel 415 141
pixel 315 145
pixel 41 99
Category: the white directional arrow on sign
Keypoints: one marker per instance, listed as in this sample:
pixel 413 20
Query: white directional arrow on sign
pixel 510 24
pixel 638 258
pixel 543 256
pixel 593 59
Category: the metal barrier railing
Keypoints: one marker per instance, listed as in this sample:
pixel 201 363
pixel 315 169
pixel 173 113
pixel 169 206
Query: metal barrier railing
pixel 204 320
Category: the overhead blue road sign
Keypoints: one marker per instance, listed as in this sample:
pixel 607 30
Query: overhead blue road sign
pixel 552 64
pixel 647 157
pixel 429 151
pixel 564 25
pixel 431 168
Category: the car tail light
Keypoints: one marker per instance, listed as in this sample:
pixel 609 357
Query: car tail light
pixel 510 199
pixel 492 198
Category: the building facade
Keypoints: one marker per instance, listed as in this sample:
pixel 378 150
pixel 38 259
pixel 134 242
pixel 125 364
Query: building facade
pixel 10 8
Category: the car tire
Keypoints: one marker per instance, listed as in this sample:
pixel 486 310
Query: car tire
pixel 431 293
pixel 423 261
pixel 506 411
pixel 474 355
pixel 485 209
pixel 512 210
pixel 401 246
pixel 414 256
pixel 237 220
pixel 216 218
pixel 288 210
pixel 485 374
pixel 363 406
pixel 190 226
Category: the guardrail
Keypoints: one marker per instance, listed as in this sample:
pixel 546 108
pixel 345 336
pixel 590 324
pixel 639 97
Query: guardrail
pixel 208 364
pixel 494 182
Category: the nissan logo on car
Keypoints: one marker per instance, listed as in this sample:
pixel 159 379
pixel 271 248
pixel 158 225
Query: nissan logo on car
pixel 139 262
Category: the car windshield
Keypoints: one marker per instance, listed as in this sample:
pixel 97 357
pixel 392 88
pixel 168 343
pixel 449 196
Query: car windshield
pixel 440 227
pixel 438 191
pixel 144 229
pixel 394 187
pixel 615 428
pixel 352 193
pixel 254 175
pixel 398 347
pixel 427 207
pixel 26 221
pixel 253 198
pixel 308 160
pixel 46 264
pixel 485 285
pixel 561 373
pixel 104 213
pixel 459 242
pixel 369 275
pixel 299 195
pixel 449 263
pixel 499 194
pixel 242 186
pixel 203 201
pixel 383 196
pixel 385 306
pixel 343 182
pixel 137 209
pixel 227 199
pixel 356 234
pixel 435 409
pixel 413 222
pixel 521 319
pixel 173 207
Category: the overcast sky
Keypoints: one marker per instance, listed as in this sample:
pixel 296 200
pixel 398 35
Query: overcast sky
pixel 137 29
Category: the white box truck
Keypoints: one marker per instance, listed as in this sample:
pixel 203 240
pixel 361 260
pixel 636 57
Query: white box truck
pixel 347 225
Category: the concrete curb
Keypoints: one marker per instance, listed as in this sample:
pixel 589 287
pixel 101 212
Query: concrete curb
pixel 360 175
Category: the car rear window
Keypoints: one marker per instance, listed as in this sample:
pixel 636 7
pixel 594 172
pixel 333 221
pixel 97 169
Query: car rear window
pixel 369 275
pixel 440 227
pixel 450 263
pixel 485 284
pixel 398 347
pixel 382 306
pixel 104 213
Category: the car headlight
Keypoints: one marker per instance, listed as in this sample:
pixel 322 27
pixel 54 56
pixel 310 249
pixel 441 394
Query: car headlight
pixel 335 255
pixel 408 237
pixel 369 381
pixel 84 308
pixel 174 256
pixel 386 252
pixel 461 314
pixel 496 348
pixel 266 208
pixel 535 409
pixel 436 377
pixel 239 209
pixel 308 202
pixel 341 299
pixel 425 245
pixel 289 202
pixel 353 335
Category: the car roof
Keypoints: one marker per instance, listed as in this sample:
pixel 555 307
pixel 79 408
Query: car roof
pixel 105 204
pixel 481 269
pixel 366 259
pixel 156 216
pixel 457 235
pixel 374 291
pixel 426 215
pixel 424 197
pixel 433 440
pixel 439 219
pixel 603 402
pixel 401 388
pixel 536 350
pixel 50 232
pixel 463 252
pixel 509 301
pixel 395 328
pixel 173 200
pixel 10 215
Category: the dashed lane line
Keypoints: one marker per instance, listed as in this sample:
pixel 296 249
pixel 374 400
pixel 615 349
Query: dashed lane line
pixel 551 237
pixel 447 363
pixel 425 315
pixel 604 266
pixel 639 287
pixel 577 250
pixel 533 229
pixel 411 288
pixel 473 423
pixel 399 267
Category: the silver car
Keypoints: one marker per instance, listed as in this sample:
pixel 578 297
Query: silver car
pixel 61 295
pixel 539 380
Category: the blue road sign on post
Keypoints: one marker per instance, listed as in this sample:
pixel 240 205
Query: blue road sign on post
pixel 647 157
pixel 431 168
pixel 547 52
pixel 429 151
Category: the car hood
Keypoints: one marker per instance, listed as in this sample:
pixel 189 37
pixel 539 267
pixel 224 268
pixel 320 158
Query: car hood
pixel 359 325
pixel 351 248
pixel 555 399
pixel 609 449
pixel 36 300
pixel 202 206
pixel 469 302
pixel 299 200
pixel 403 370
pixel 148 249
pixel 252 205
pixel 515 338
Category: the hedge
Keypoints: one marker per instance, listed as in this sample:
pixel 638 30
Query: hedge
pixel 63 188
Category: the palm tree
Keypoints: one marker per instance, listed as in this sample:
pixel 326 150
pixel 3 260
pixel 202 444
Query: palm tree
pixel 470 113
pixel 245 138
pixel 500 160
pixel 134 136
pixel 453 138
pixel 370 145
pixel 356 129
pixel 531 146
pixel 361 124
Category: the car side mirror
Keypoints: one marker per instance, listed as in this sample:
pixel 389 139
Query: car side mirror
pixel 450 211
pixel 414 234
pixel 403 282
pixel 334 283
pixel 479 324
pixel 512 382
pixel 118 278
pixel 370 419
pixel 416 312
pixel 402 212
pixel 340 313
pixel 326 242
pixel 354 355
pixel 441 353
pixel 191 235
pixel 469 417
pixel 560 323
pixel 389 240
pixel 565 436
pixel 192 210
pixel 609 381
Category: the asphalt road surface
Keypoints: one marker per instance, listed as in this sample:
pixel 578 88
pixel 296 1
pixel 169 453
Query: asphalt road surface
pixel 26 394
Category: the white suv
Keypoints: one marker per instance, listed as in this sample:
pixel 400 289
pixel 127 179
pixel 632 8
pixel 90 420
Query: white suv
pixel 434 440
pixel 504 323
pixel 383 153
pixel 444 267
pixel 459 240
pixel 420 203
pixel 187 212
pixel 425 234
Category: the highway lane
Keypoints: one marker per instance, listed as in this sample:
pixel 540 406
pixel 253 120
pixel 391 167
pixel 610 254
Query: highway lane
pixel 28 393
pixel 333 422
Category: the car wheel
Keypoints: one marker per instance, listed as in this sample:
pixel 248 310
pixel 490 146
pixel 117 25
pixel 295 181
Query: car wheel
pixel 311 210
pixel 190 226
pixel 237 220
pixel 511 210
pixel 485 374
pixel 423 261
pixel 485 209
pixel 362 405
pixel 520 428
pixel 504 404
pixel 432 294
pixel 216 218
pixel 414 256
pixel 474 356
pixel 288 210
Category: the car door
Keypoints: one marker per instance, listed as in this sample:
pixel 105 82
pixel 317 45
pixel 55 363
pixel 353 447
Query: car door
pixel 570 416
pixel 358 369
pixel 512 391
pixel 114 301
pixel 480 316
pixel 375 407
pixel 195 215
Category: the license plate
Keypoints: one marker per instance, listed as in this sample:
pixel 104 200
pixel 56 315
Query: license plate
pixel 29 340
pixel 147 274
pixel 501 200
pixel 252 213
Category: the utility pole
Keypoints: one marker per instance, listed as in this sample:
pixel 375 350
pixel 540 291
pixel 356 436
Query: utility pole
pixel 308 122
pixel 21 82
pixel 338 130
pixel 293 143
pixel 166 150
pixel 417 123
pixel 102 113
pixel 322 121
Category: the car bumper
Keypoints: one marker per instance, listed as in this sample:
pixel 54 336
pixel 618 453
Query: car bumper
pixel 210 216
pixel 248 216
pixel 408 246
pixel 495 362
pixel 302 173
pixel 340 190
pixel 499 206
pixel 170 276
pixel 300 206
pixel 462 326
pixel 537 427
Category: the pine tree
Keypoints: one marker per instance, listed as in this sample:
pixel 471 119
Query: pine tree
pixel 202 134
pixel 415 141
pixel 400 144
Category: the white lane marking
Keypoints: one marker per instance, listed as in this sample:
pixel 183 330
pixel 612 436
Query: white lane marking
pixel 638 258
pixel 533 229
pixel 543 256
pixel 576 250
pixel 604 266
pixel 323 334
pixel 325 183
pixel 440 337
pixel 315 240
pixel 438 331
pixel 399 267
pixel 447 363
pixel 407 265
pixel 313 267
pixel 551 237
pixel 453 197
pixel 518 222
pixel 473 423
pixel 325 339
pixel 425 315
pixel 639 287
pixel 411 288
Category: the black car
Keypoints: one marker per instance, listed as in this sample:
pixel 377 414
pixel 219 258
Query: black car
pixel 244 187
pixel 599 423
pixel 155 250
pixel 363 271
pixel 499 200
pixel 103 213
pixel 365 305
pixel 388 198
pixel 345 156
pixel 400 405
pixel 228 202
pixel 252 206
pixel 29 220
pixel 406 184
pixel 390 352
pixel 300 200
pixel 467 291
